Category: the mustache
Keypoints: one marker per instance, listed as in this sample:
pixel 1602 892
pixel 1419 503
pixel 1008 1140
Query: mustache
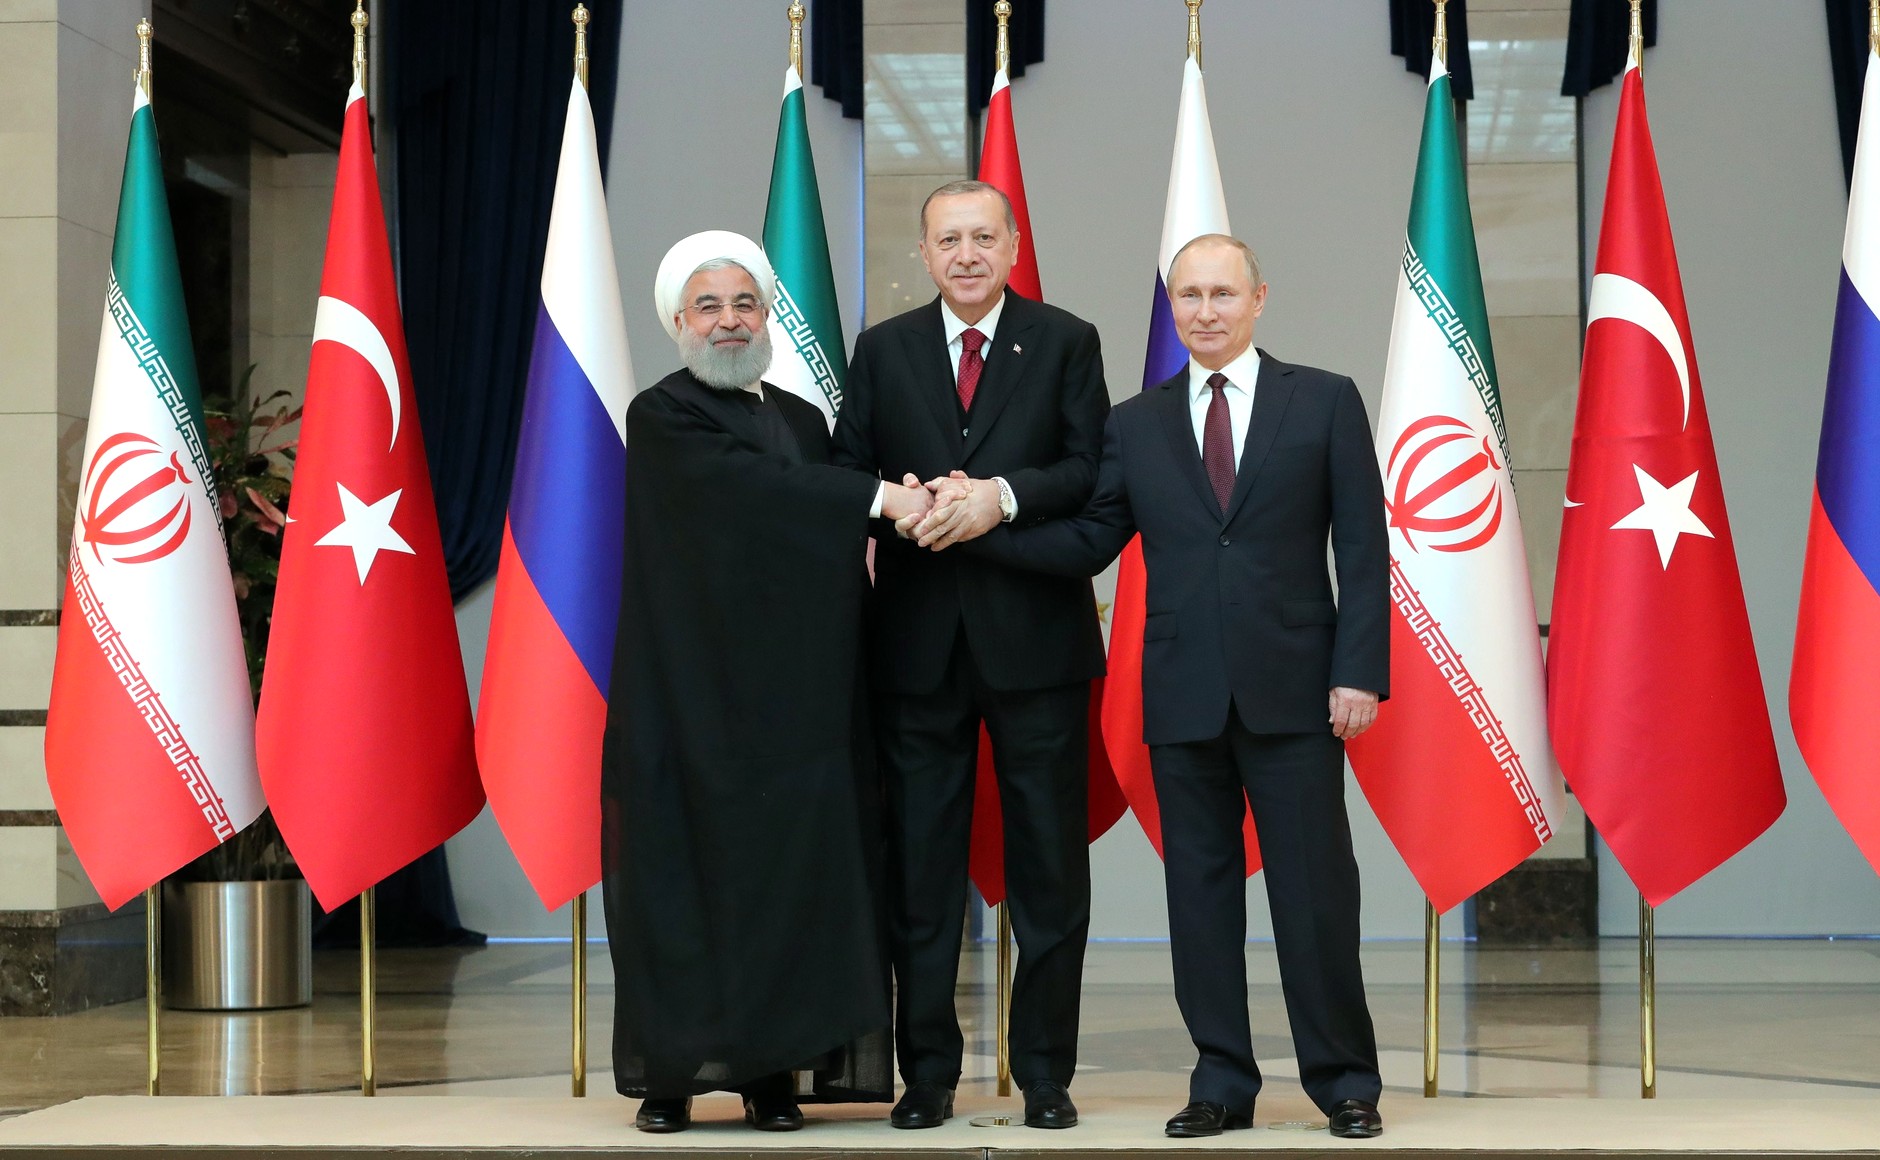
pixel 741 334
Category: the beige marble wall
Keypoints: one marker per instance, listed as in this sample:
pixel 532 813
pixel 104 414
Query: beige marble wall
pixel 65 99
pixel 915 138
pixel 290 198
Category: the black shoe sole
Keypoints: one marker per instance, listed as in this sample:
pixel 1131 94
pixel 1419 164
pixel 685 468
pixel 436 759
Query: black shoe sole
pixel 1357 1133
pixel 661 1129
pixel 1194 1134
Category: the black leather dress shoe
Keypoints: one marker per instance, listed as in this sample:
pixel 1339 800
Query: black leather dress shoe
pixel 664 1115
pixel 1202 1118
pixel 1048 1105
pixel 1356 1120
pixel 926 1104
pixel 772 1113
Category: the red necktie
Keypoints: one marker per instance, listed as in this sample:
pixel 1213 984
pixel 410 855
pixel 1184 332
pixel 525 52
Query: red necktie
pixel 1217 441
pixel 971 343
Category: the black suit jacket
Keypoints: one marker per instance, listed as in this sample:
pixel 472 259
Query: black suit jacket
pixel 1037 420
pixel 1239 603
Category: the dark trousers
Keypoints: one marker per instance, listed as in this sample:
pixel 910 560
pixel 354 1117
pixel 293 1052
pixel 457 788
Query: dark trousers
pixel 1040 746
pixel 1295 784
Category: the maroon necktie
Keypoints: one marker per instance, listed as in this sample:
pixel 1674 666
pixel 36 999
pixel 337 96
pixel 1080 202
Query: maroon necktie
pixel 971 343
pixel 1217 442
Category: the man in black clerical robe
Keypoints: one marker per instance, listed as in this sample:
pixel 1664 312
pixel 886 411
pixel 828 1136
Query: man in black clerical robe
pixel 739 822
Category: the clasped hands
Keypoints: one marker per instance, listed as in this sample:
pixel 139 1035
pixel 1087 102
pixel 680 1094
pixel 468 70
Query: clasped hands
pixel 943 511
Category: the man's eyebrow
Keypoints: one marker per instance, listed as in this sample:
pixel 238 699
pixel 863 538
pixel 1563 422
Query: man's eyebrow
pixel 708 296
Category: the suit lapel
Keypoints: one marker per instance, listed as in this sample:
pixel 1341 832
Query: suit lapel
pixel 1179 425
pixel 1005 369
pixel 933 375
pixel 1273 389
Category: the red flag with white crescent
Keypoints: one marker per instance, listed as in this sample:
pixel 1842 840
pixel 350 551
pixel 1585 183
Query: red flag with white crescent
pixel 1654 697
pixel 364 734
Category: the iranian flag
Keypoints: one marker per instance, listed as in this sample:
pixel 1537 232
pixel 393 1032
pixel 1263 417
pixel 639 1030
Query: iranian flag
pixel 150 731
pixel 809 359
pixel 1462 747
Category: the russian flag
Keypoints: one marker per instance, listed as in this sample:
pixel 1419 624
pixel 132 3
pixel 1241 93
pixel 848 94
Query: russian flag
pixel 544 699
pixel 1837 637
pixel 1196 205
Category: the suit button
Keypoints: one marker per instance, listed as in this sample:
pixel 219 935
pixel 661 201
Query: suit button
pixel 964 432
pixel 1225 541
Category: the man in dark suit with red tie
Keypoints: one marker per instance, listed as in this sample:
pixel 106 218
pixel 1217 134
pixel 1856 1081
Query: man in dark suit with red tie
pixel 1009 393
pixel 1237 471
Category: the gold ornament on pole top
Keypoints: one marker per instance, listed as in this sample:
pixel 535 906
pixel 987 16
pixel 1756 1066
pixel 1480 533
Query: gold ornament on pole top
pixel 144 32
pixel 1194 31
pixel 1002 56
pixel 1873 25
pixel 581 19
pixel 1439 44
pixel 359 22
pixel 1635 41
pixel 1647 1000
pixel 797 15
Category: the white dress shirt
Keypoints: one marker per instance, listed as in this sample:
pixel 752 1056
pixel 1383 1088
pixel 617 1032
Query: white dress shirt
pixel 1241 374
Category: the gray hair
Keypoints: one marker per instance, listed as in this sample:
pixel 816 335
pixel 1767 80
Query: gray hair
pixel 955 188
pixel 729 264
pixel 1246 255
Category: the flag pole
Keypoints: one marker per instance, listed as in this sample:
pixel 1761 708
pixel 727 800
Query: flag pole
pixel 1647 1001
pixel 1432 922
pixel 1432 968
pixel 368 936
pixel 1635 41
pixel 577 1046
pixel 1002 59
pixel 1873 25
pixel 153 927
pixel 153 975
pixel 1194 31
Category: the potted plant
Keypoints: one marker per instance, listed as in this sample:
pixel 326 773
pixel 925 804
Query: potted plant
pixel 237 922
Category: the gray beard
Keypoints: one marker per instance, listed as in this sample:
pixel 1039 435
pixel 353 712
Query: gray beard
pixel 726 368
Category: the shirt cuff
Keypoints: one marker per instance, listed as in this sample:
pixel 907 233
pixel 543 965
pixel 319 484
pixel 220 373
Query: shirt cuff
pixel 881 495
pixel 1008 503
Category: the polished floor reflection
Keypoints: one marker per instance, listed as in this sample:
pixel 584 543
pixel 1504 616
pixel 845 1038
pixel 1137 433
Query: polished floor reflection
pixel 1736 1019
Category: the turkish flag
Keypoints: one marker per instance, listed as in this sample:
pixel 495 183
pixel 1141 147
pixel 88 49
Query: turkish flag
pixel 1654 697
pixel 999 167
pixel 364 734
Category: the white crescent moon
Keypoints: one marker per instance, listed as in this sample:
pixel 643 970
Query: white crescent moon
pixel 336 320
pixel 1614 296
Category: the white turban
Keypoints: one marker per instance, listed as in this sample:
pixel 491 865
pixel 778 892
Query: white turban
pixel 688 254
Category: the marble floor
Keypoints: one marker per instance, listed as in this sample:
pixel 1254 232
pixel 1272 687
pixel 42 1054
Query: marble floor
pixel 1777 1020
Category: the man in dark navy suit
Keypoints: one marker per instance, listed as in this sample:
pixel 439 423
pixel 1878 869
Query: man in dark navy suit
pixel 1236 471
pixel 1010 392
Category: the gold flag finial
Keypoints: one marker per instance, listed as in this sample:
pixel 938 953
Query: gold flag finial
pixel 1194 31
pixel 1439 43
pixel 1635 43
pixel 797 13
pixel 359 21
pixel 1002 57
pixel 144 32
pixel 581 19
pixel 1873 25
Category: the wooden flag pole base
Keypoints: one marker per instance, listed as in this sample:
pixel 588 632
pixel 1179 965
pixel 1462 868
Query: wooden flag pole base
pixel 153 988
pixel 368 933
pixel 1432 969
pixel 1647 1001
pixel 579 1071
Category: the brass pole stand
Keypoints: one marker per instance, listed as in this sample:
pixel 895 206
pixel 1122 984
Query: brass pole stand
pixel 1432 971
pixel 1647 1001
pixel 368 935
pixel 1005 998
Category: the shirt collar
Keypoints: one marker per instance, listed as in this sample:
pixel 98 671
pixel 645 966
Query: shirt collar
pixel 1242 373
pixel 988 326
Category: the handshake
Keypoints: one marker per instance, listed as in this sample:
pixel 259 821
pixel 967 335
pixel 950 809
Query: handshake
pixel 943 511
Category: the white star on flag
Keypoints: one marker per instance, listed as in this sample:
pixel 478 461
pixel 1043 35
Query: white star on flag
pixel 1665 513
pixel 367 530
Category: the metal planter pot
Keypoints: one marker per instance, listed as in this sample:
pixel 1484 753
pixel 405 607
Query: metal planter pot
pixel 237 946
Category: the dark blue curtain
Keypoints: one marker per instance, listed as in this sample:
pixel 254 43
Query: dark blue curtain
pixel 476 92
pixel 1847 54
pixel 1413 26
pixel 835 52
pixel 1598 34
